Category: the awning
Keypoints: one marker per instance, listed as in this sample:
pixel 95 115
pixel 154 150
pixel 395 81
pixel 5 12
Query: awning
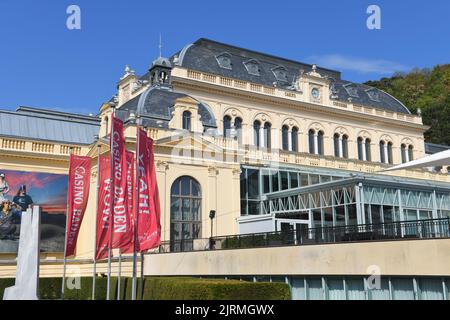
pixel 435 160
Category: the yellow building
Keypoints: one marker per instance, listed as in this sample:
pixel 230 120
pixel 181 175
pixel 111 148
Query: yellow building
pixel 272 146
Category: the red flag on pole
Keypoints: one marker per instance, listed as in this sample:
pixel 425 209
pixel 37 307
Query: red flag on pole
pixel 149 227
pixel 78 193
pixel 122 229
pixel 104 209
pixel 131 196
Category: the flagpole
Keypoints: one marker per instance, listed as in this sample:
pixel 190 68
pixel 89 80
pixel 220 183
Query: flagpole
pixel 135 231
pixel 94 274
pixel 111 212
pixel 65 236
pixel 120 270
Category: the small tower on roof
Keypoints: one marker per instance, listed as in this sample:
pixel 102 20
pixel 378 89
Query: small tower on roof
pixel 160 69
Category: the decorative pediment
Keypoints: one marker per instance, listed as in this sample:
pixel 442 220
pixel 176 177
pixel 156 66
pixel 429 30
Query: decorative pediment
pixel 190 141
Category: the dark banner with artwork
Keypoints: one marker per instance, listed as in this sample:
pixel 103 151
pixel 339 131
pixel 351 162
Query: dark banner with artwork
pixel 21 189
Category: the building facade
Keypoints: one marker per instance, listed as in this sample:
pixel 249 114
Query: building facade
pixel 268 145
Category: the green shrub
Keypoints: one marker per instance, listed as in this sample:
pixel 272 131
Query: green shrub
pixel 163 288
pixel 212 289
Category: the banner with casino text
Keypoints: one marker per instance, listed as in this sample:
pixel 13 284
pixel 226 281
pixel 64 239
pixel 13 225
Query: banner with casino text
pixel 78 194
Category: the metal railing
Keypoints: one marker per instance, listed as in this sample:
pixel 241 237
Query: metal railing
pixel 402 230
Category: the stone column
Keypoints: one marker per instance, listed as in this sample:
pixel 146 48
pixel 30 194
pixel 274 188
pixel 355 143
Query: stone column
pixel 316 143
pixel 290 140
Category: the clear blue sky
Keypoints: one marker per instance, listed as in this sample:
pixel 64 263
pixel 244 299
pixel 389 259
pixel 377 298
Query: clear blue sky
pixel 44 64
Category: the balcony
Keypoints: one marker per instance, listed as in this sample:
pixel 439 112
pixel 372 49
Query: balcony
pixel 404 230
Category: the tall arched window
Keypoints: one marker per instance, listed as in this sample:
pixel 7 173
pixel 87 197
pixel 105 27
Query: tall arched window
pixel 360 149
pixel 187 120
pixel 285 137
pixel 337 145
pixel 256 133
pixel 238 128
pixel 185 213
pixel 345 146
pixel 403 151
pixel 294 139
pixel 226 126
pixel 382 152
pixel 320 142
pixel 368 150
pixel 311 142
pixel 411 153
pixel 389 152
pixel 267 135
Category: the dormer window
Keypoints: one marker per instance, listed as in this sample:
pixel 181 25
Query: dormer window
pixel 280 74
pixel 224 60
pixel 351 90
pixel 373 94
pixel 252 67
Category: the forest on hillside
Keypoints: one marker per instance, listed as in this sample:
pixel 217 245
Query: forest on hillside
pixel 426 91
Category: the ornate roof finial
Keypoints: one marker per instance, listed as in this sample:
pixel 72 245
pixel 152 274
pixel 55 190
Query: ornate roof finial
pixel 128 71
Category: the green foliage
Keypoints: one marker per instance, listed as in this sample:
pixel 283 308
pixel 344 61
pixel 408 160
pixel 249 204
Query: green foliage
pixel 156 288
pixel 213 289
pixel 428 90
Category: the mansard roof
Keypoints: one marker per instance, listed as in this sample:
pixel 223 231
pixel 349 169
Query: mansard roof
pixel 229 61
pixel 155 106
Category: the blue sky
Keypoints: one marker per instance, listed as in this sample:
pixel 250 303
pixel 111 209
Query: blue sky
pixel 44 64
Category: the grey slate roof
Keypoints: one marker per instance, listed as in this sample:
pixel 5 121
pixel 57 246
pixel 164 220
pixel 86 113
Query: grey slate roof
pixel 155 106
pixel 432 148
pixel 202 56
pixel 48 125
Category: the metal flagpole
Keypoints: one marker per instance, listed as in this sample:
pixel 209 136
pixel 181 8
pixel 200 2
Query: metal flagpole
pixel 142 276
pixel 111 209
pixel 63 286
pixel 120 270
pixel 94 274
pixel 135 231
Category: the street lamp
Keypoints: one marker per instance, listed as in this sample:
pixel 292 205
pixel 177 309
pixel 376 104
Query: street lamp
pixel 212 215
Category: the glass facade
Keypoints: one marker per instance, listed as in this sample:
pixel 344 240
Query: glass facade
pixel 357 288
pixel 255 183
pixel 343 202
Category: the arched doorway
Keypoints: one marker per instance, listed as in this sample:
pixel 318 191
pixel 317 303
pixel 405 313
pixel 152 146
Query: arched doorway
pixel 185 213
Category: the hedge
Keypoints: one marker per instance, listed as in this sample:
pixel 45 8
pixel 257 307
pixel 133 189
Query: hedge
pixel 163 288
pixel 213 289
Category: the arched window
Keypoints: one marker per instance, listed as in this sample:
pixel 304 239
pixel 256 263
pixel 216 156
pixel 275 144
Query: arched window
pixel 267 135
pixel 360 149
pixel 337 145
pixel 185 213
pixel 311 141
pixel 389 152
pixel 294 134
pixel 187 120
pixel 368 150
pixel 238 128
pixel 256 134
pixel 285 137
pixel 345 146
pixel 226 126
pixel 320 142
pixel 403 151
pixel 382 152
pixel 411 153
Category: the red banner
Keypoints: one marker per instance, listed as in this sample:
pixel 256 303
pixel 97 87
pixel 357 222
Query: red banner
pixel 78 194
pixel 131 199
pixel 123 233
pixel 149 227
pixel 104 208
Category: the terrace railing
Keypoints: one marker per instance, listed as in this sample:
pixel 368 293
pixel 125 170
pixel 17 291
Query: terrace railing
pixel 402 230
